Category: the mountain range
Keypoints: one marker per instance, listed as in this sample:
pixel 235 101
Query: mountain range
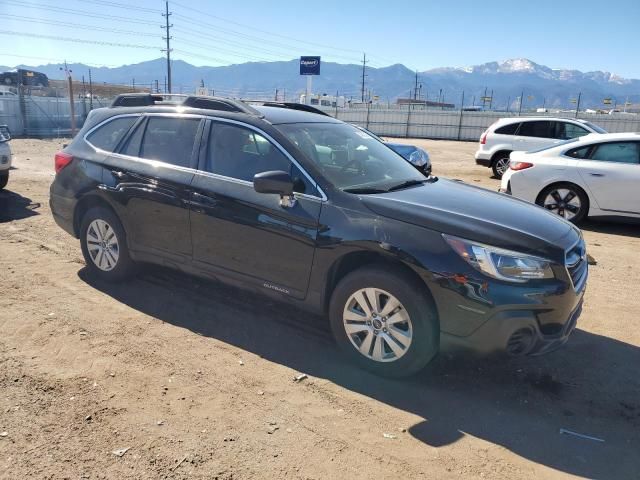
pixel 507 80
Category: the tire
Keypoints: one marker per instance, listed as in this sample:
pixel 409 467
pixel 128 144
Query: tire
pixel 500 164
pixel 368 331
pixel 569 201
pixel 4 179
pixel 100 232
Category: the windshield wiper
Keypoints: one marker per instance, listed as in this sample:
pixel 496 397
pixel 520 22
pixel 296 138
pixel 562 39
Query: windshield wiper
pixel 364 190
pixel 408 183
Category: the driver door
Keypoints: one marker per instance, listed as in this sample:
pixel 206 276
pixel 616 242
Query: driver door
pixel 246 235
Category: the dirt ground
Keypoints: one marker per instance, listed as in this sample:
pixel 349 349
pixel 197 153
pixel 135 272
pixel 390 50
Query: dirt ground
pixel 196 379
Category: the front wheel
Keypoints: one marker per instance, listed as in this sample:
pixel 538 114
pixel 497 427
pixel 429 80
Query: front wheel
pixel 565 199
pixel 104 245
pixel 383 320
pixel 4 179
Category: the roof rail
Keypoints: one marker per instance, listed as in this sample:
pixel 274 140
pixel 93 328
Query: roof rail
pixel 193 101
pixel 136 100
pixel 296 106
pixel 218 103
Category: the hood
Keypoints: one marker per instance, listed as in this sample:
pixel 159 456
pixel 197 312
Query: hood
pixel 478 214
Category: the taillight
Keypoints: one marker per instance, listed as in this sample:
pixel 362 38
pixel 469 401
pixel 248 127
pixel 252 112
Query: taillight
pixel 62 160
pixel 520 165
pixel 483 138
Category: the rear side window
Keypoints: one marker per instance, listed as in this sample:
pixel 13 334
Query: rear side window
pixel 619 152
pixel 541 129
pixel 107 136
pixel 582 152
pixel 170 140
pixel 510 129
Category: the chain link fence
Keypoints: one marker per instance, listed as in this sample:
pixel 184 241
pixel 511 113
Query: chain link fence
pixel 50 116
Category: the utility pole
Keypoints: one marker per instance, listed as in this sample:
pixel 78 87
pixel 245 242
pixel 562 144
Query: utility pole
pixel 90 92
pixel 491 100
pixel 157 91
pixel 415 90
pixel 578 104
pixel 133 84
pixel 167 26
pixel 276 97
pixel 72 106
pixel 364 75
pixel 520 103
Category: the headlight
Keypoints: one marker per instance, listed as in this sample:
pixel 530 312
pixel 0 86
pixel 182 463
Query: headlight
pixel 419 158
pixel 499 263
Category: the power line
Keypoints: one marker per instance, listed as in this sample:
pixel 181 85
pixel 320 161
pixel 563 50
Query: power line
pixel 79 12
pixel 226 20
pixel 77 25
pixel 76 40
pixel 255 39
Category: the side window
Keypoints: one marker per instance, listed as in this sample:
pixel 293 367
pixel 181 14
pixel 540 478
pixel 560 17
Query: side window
pixel 581 152
pixel 537 128
pixel 132 146
pixel 510 129
pixel 170 140
pixel 566 131
pixel 241 153
pixel 108 135
pixel 619 152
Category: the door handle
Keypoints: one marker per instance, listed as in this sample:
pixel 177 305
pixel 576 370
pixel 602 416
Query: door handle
pixel 596 174
pixel 118 173
pixel 199 200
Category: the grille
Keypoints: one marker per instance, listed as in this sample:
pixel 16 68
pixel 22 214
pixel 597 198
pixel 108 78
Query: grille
pixel 576 262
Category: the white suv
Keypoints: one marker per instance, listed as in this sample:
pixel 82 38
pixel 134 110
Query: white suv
pixel 526 133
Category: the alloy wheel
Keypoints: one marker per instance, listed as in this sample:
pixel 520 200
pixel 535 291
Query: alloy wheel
pixel 377 325
pixel 502 165
pixel 564 202
pixel 102 244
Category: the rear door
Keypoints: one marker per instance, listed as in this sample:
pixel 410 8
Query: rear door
pixel 612 174
pixel 534 134
pixel 245 235
pixel 151 177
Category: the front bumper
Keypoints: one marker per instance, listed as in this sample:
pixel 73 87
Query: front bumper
pixel 5 158
pixel 517 332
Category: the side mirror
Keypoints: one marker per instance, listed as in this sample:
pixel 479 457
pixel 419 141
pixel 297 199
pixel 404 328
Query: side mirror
pixel 277 182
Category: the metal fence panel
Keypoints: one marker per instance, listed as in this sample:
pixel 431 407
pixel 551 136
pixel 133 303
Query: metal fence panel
pixel 50 116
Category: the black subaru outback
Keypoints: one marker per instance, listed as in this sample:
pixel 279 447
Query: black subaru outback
pixel 318 213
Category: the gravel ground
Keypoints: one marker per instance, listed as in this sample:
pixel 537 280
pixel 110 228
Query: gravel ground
pixel 195 379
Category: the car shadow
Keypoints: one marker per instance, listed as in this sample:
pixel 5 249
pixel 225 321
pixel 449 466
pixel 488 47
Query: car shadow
pixel 622 227
pixel 590 386
pixel 14 206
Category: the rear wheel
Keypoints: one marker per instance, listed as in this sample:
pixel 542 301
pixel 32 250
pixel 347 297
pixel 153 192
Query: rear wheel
pixel 4 179
pixel 500 164
pixel 383 321
pixel 104 245
pixel 565 199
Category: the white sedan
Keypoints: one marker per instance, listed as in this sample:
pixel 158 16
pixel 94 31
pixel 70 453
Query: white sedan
pixel 595 176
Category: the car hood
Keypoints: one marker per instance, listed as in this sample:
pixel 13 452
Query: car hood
pixel 478 214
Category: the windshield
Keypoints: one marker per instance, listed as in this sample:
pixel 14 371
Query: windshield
pixel 350 158
pixel 595 127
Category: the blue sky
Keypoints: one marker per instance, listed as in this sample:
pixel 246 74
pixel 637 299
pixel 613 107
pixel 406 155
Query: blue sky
pixel 585 35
